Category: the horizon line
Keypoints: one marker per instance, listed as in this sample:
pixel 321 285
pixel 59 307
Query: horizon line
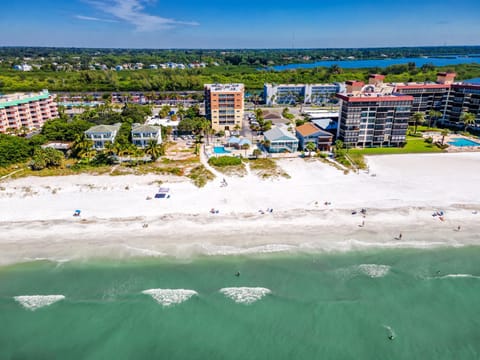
pixel 242 48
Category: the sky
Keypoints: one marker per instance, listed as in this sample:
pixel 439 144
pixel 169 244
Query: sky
pixel 239 24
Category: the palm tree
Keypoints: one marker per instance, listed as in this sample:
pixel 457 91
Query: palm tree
pixel 445 132
pixel 154 150
pixel 433 114
pixel 418 119
pixel 81 146
pixel 257 153
pixel 245 147
pixel 467 119
pixel 310 147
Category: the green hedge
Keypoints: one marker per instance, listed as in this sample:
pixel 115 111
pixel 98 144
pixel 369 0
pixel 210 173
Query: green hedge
pixel 224 161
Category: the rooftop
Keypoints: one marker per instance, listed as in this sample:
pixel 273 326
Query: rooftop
pixel 279 132
pixel 421 85
pixel 365 97
pixel 326 124
pixel 22 98
pixel 310 129
pixel 224 87
pixel 137 128
pixel 104 128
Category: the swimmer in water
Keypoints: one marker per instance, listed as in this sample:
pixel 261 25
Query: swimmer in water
pixel 237 274
pixel 391 337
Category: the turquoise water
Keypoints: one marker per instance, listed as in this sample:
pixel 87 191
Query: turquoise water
pixel 381 63
pixel 463 142
pixel 321 306
pixel 220 150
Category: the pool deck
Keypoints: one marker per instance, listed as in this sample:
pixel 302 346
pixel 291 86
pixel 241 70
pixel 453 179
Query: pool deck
pixel 437 137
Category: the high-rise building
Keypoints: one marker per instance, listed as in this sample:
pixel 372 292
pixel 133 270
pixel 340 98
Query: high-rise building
pixel 28 111
pixel 224 105
pixel 373 119
pixel 429 95
pixel 463 98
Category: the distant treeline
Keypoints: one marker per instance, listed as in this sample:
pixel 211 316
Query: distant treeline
pixel 193 79
pixel 258 57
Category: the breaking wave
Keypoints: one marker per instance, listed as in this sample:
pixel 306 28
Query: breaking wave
pixel 168 297
pixel 470 276
pixel 245 295
pixel 34 302
pixel 374 270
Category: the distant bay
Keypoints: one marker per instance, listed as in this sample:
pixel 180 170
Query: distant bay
pixel 382 63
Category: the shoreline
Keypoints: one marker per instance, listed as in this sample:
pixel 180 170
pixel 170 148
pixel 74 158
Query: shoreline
pixel 117 221
pixel 314 231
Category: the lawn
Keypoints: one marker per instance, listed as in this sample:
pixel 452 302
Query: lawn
pixel 414 145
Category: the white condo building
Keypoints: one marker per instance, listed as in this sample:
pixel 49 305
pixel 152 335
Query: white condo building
pixel 300 93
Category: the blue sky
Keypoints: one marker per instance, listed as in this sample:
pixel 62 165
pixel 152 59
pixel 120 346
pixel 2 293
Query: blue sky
pixel 242 24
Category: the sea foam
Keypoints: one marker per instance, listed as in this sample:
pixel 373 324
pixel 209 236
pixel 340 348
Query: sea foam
pixel 374 270
pixel 34 302
pixel 168 297
pixel 245 295
pixel 470 276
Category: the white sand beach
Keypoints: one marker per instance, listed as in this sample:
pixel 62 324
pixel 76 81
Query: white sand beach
pixel 400 193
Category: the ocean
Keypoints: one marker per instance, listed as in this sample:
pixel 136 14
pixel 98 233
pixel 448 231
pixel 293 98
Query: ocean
pixel 369 304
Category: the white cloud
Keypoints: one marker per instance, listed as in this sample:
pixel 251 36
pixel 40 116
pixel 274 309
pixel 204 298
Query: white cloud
pixel 90 18
pixel 133 12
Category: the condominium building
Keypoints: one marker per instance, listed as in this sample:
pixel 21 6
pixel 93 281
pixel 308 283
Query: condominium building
pixel 373 117
pixel 300 93
pixel 224 105
pixel 28 111
pixel 463 98
pixel 429 95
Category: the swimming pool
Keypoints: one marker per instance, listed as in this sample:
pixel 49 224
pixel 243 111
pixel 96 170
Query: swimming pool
pixel 220 150
pixel 463 142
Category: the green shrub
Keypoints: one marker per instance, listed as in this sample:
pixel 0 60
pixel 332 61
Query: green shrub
pixel 429 140
pixel 224 161
pixel 13 150
pixel 47 158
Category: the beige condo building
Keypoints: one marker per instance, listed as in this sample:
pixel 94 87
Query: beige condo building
pixel 224 105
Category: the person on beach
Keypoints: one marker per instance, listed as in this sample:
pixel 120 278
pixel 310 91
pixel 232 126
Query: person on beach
pixel 458 228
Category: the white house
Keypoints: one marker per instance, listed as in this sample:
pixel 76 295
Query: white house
pixel 101 134
pixel 142 135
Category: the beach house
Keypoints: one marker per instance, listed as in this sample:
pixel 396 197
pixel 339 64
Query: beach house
pixel 142 135
pixel 279 139
pixel 310 133
pixel 102 134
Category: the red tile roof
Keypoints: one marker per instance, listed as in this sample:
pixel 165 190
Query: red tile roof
pixel 308 129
